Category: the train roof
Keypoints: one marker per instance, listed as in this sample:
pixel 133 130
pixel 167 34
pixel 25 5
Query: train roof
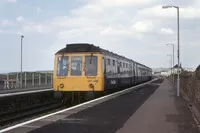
pixel 86 47
pixel 79 47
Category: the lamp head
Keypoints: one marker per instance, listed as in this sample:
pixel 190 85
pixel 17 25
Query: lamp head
pixel 169 6
pixel 165 7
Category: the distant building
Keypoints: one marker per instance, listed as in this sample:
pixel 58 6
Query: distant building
pixel 175 70
pixel 161 73
pixel 189 69
pixel 169 71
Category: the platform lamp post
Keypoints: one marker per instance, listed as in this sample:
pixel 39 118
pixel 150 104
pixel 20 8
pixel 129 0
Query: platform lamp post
pixel 21 79
pixel 178 51
pixel 173 60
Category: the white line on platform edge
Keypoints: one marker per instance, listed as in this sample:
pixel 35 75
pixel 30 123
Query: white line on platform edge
pixel 67 109
pixel 24 92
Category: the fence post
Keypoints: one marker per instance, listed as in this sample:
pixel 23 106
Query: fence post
pixel 8 86
pixel 5 83
pixel 39 79
pixel 51 78
pixel 12 84
pixel 33 79
pixel 46 78
pixel 17 81
pixel 25 79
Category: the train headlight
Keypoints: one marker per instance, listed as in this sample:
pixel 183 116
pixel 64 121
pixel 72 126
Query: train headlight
pixel 61 85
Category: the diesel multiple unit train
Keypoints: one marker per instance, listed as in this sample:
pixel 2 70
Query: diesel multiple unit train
pixel 82 69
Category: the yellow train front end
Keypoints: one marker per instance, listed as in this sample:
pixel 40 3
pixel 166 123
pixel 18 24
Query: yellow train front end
pixel 78 72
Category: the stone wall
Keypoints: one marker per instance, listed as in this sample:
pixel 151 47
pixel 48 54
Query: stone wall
pixel 190 87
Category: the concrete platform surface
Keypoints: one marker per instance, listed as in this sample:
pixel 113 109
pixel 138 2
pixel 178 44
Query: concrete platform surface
pixel 163 112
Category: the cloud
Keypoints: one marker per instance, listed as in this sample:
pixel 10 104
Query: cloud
pixel 117 32
pixel 34 27
pixel 135 29
pixel 167 31
pixel 157 11
pixel 114 3
pixel 39 10
pixel 19 18
pixel 88 7
pixel 6 23
pixel 72 22
pixel 9 32
pixel 144 26
pixel 190 12
pixel 93 23
pixel 12 1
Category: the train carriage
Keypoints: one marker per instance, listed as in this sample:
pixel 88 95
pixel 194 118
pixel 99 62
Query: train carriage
pixel 84 67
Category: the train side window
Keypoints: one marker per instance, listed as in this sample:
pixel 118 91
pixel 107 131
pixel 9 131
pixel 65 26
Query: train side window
pixel 123 65
pixel 91 65
pixel 62 66
pixel 109 62
pixel 76 65
pixel 130 66
pixel 113 62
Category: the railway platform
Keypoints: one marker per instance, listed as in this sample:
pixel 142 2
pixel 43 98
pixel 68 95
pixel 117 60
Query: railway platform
pixel 27 90
pixel 30 88
pixel 152 108
pixel 163 112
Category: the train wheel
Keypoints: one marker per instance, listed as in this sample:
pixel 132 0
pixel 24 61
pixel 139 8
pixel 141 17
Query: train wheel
pixel 65 98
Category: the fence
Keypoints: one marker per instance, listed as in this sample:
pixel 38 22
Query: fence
pixel 29 79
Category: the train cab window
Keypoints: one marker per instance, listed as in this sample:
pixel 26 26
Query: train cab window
pixel 76 65
pixel 62 66
pixel 91 65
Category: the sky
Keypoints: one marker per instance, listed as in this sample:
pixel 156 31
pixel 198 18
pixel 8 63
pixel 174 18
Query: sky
pixel 136 29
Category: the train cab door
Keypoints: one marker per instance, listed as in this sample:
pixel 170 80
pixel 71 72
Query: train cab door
pixel 105 73
pixel 105 67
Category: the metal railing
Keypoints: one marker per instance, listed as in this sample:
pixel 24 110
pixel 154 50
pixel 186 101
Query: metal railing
pixel 29 80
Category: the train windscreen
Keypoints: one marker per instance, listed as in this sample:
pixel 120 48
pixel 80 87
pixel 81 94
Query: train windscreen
pixel 91 65
pixel 62 66
pixel 76 65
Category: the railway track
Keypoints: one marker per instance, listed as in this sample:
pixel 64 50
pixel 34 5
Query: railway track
pixel 13 117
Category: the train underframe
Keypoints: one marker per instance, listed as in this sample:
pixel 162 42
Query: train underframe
pixel 73 97
pixel 69 97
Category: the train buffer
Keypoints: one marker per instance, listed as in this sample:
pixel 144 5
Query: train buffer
pixel 153 108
